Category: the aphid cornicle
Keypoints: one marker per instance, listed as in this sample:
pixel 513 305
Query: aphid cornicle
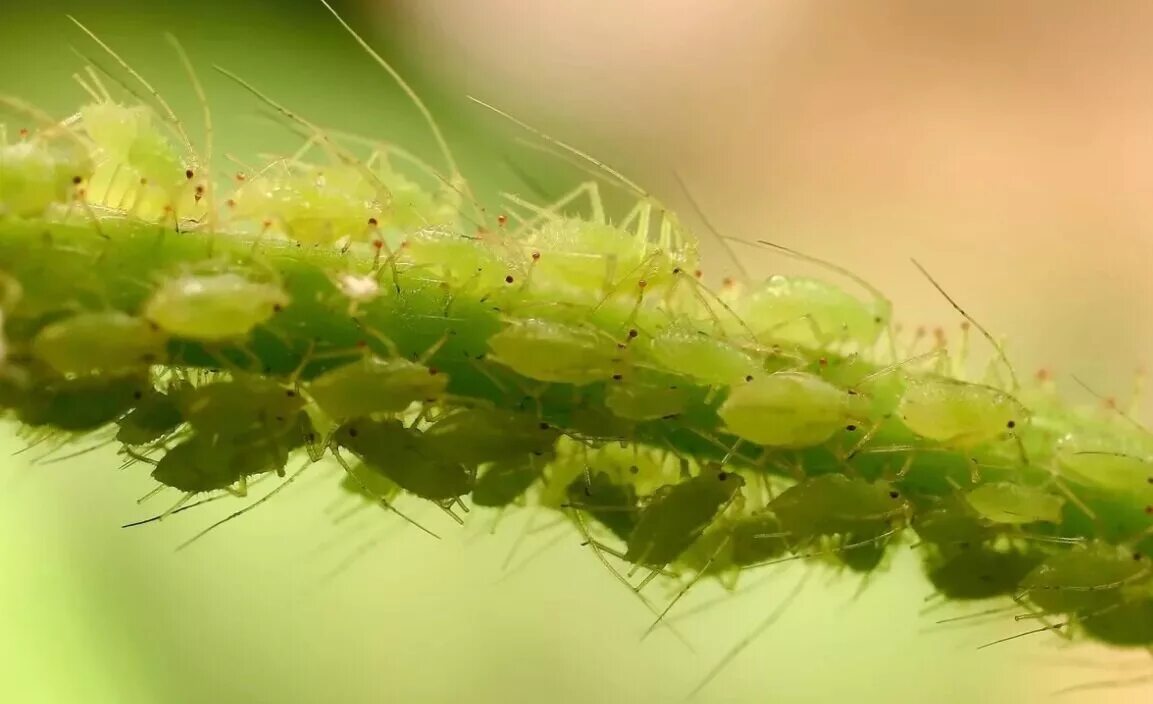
pixel 107 342
pixel 399 453
pixel 213 307
pixel 677 514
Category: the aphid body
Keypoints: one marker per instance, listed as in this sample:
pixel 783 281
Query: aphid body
pixel 1013 504
pixel 213 307
pixel 374 385
pixel 400 454
pixel 833 504
pixel 108 342
pixel 786 409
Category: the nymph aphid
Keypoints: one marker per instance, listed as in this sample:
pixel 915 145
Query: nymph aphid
pixel 401 454
pixel 1085 579
pixel 213 307
pixel 106 342
pixel 475 436
pixel 233 408
pixel 611 504
pixel 555 352
pixel 701 357
pixel 676 515
pixel 155 415
pixel 639 400
pixel 41 171
pixel 373 384
pixel 1015 504
pixel 80 404
pixel 959 414
pixel 833 504
pixel 787 409
pixel 502 483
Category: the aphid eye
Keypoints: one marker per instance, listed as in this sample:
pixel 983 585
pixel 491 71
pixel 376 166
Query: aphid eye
pixel 1149 480
pixel 373 222
pixel 633 333
pixel 352 432
pixel 189 174
pixel 894 494
pixel 850 428
pixel 633 469
pixel 508 279
pixel 290 393
pixel 77 180
pixel 276 307
pixel 878 319
pixel 722 475
pixel 1149 510
pixel 1011 424
pixel 617 377
pixel 1137 557
pixel 544 426
pixel 137 395
pixel 749 377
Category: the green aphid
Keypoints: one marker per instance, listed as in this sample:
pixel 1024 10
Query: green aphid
pixel 645 401
pixel 757 538
pixel 1108 471
pixel 80 404
pixel 702 357
pixel 202 464
pixel 474 436
pixel 1128 624
pixel 812 313
pixel 1010 503
pixel 403 455
pixel 953 524
pixel 213 307
pixel 154 416
pixel 1085 579
pixel 555 352
pixel 229 409
pixel 676 515
pixel 108 342
pixel 370 485
pixel 612 505
pixel 373 385
pixel 502 483
pixel 38 173
pixel 980 571
pixel 959 414
pixel 833 504
pixel 787 409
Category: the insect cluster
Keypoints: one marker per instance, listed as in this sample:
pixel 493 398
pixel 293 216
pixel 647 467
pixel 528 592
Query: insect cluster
pixel 333 308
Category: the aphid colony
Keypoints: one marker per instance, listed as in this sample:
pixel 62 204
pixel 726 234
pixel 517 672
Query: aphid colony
pixel 336 309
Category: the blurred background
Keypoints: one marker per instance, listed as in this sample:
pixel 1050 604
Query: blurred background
pixel 1005 145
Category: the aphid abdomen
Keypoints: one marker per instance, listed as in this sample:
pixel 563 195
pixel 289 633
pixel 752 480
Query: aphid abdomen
pixel 374 385
pixel 980 572
pixel 786 409
pixel 81 404
pixel 612 505
pixel 699 356
pixel 1085 579
pixel 553 352
pixel 502 483
pixel 833 504
pixel 677 515
pixel 957 413
pixel 153 417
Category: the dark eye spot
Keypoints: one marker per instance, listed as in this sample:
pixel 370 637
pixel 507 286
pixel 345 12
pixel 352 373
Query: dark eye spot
pixel 617 377
pixel 749 377
pixel 544 426
pixel 137 395
pixel 850 427
pixel 722 475
pixel 353 432
pixel 508 279
pixel 878 319
pixel 1011 424
pixel 1137 557
pixel 77 180
pixel 894 494
pixel 633 469
pixel 290 393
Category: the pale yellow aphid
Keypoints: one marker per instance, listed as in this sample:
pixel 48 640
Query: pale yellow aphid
pixel 701 356
pixel 787 409
pixel 554 352
pixel 213 307
pixel 959 414
pixel 107 342
pixel 38 173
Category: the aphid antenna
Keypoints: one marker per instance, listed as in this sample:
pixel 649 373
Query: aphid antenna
pixel 206 114
pixel 1126 416
pixel 773 617
pixel 236 514
pixel 188 507
pixel 700 574
pixel 731 253
pixel 997 346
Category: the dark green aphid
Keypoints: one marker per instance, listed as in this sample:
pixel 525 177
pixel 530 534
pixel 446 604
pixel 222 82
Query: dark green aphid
pixel 980 572
pixel 952 524
pixel 1127 625
pixel 502 483
pixel 80 404
pixel 475 436
pixel 833 504
pixel 1085 580
pixel 612 505
pixel 155 415
pixel 229 409
pixel 677 514
pixel 401 454
pixel 757 538
pixel 199 464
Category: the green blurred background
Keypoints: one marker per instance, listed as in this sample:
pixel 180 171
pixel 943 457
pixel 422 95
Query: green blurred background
pixel 92 613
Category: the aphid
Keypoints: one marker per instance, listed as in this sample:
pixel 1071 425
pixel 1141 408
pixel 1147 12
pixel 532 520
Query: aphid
pixel 646 401
pixel 154 416
pixel 1128 624
pixel 833 504
pixel 106 342
pixel 1015 504
pixel 612 505
pixel 1084 580
pixel 502 483
pixel 40 172
pixel 475 436
pixel 400 453
pixel 1110 471
pixel 554 352
pixel 233 408
pixel 980 572
pixel 959 414
pixel 213 307
pixel 80 404
pixel 786 409
pixel 374 385
pixel 953 524
pixel 702 357
pixel 677 514
pixel 201 464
